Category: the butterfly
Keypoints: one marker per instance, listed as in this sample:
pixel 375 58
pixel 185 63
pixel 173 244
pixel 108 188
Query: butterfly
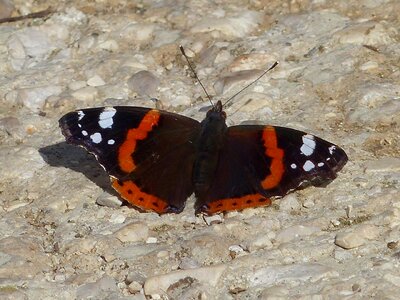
pixel 156 159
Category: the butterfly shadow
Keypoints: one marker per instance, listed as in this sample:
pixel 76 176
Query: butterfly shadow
pixel 77 159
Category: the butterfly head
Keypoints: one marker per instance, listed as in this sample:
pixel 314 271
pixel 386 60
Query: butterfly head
pixel 216 112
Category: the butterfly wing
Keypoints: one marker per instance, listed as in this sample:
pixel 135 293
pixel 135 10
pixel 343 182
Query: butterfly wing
pixel 149 154
pixel 264 162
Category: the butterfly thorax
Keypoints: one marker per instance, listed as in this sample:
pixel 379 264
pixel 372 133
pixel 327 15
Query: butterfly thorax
pixel 210 141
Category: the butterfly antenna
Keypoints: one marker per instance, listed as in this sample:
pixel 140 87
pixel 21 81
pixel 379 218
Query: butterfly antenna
pixel 257 79
pixel 195 74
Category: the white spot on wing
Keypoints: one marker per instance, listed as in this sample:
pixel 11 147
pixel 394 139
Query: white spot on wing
pixel 308 166
pixel 96 138
pixel 111 142
pixel 80 115
pixel 106 117
pixel 293 166
pixel 308 145
pixel 84 133
pixel 320 164
pixel 331 149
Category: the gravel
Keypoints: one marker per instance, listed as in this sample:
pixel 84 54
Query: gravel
pixel 64 234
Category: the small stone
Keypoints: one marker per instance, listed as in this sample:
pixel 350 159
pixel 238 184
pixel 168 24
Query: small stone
pixel 134 287
pixel 260 242
pixel 34 98
pixel 308 203
pixel 108 200
pixel 235 26
pixel 87 93
pixel 144 83
pixel 235 250
pixel 289 203
pixel 369 65
pixel 109 45
pixel 138 33
pixel 292 273
pixel 356 238
pixel 29 46
pixel 295 232
pixel 95 81
pixel 341 254
pixel 214 219
pixel 393 245
pixel 96 289
pixel 162 253
pixel 133 232
pixel 76 85
pixel 274 293
pixel 365 33
pixel 252 61
pixel 159 284
pixel 151 240
pixel 240 78
pixel 349 211
pixel 117 218
pixel 188 263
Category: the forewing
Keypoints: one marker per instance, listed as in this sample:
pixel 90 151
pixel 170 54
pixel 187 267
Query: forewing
pixel 149 154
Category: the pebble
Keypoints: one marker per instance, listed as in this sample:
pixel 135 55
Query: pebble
pixel 87 94
pixel 108 45
pixel 277 292
pixel 117 218
pixel 262 241
pixel 295 232
pixel 151 240
pixel 214 219
pixel 337 78
pixel 76 85
pixel 235 250
pixel 108 200
pixel 34 98
pixel 144 83
pixel 289 203
pixel 356 237
pixel 232 27
pixel 97 289
pixel 132 232
pixel 188 263
pixel 96 80
pixel 237 79
pixel 29 46
pixel 365 33
pixel 369 65
pixel 134 287
pixel 138 33
pixel 252 61
pixel 160 283
pixel 291 274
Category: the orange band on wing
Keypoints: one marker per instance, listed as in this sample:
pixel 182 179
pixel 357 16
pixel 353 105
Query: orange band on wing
pixel 128 147
pixel 229 204
pixel 273 151
pixel 132 193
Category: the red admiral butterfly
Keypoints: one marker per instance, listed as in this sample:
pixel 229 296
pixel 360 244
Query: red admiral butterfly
pixel 157 159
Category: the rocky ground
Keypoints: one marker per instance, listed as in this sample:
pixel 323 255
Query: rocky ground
pixel 65 235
